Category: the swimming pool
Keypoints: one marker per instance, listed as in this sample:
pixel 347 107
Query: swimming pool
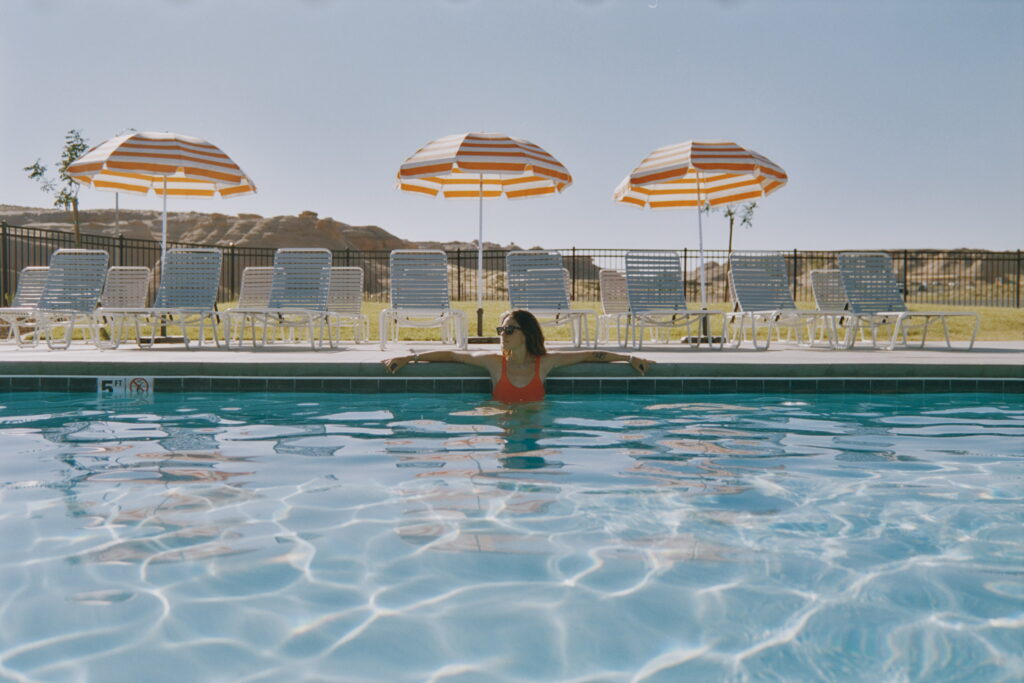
pixel 312 536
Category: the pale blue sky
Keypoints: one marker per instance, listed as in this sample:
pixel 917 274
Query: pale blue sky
pixel 901 124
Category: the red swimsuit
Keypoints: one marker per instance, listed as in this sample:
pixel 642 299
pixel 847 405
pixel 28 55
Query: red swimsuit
pixel 506 392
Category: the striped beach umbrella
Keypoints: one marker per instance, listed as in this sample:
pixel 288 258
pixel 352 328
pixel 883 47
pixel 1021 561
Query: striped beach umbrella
pixel 482 166
pixel 165 163
pixel 700 175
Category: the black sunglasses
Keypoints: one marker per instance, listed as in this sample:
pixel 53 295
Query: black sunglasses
pixel 507 329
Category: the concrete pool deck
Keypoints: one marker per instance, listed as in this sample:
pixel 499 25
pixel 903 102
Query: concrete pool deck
pixel 356 368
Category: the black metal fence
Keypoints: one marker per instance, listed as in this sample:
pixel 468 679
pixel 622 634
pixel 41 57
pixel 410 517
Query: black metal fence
pixel 952 278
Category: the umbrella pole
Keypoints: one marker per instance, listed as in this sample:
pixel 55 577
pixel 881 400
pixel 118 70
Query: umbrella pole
pixel 700 243
pixel 163 231
pixel 480 265
pixel 163 255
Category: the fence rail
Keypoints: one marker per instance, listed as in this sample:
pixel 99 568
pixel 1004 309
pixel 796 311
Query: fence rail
pixel 952 278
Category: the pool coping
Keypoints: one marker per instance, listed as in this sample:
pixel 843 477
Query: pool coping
pixel 991 367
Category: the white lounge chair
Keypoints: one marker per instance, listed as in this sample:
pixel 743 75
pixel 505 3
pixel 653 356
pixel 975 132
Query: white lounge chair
pixel 127 287
pixel 31 281
pixel 187 295
pixel 614 306
pixel 254 293
pixel 298 299
pixel 869 283
pixel 827 287
pixel 760 288
pixel 74 282
pixel 420 298
pixel 654 281
pixel 345 303
pixel 538 283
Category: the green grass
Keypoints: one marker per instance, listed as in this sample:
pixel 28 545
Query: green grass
pixel 997 324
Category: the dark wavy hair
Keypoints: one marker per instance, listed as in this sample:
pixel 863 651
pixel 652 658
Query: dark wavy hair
pixel 531 330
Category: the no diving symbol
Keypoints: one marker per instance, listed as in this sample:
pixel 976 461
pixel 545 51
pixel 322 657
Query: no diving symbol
pixel 138 385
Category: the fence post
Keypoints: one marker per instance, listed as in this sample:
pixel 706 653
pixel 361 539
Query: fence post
pixel 794 273
pixel 5 274
pixel 232 274
pixel 458 273
pixel 906 292
pixel 1018 272
pixel 685 270
pixel 573 274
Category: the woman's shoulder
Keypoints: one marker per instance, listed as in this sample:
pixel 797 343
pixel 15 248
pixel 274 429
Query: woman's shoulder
pixel 483 358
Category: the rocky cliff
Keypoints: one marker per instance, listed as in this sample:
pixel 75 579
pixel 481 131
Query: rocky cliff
pixel 245 230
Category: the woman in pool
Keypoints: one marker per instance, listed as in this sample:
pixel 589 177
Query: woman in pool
pixel 518 372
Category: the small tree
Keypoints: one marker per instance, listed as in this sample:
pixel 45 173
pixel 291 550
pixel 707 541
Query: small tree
pixel 746 215
pixel 63 188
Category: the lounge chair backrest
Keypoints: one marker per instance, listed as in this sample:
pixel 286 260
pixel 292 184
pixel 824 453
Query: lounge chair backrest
pixel 537 281
pixel 346 290
pixel 614 297
pixel 255 290
pixel 301 279
pixel 419 280
pixel 189 279
pixel 75 280
pixel 31 282
pixel 126 287
pixel 760 282
pixel 654 281
pixel 870 283
pixel 827 287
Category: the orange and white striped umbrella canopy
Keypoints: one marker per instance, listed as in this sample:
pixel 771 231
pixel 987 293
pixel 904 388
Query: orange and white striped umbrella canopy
pixel 456 166
pixel 697 173
pixel 140 162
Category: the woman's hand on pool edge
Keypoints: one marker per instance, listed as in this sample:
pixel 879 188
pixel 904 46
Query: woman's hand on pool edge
pixel 641 365
pixel 393 365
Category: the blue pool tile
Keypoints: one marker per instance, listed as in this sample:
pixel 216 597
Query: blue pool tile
pixel 558 386
pixel 253 384
pixel 936 385
pixel 586 386
pixel 803 386
pixel 24 384
pixel 967 385
pixel 336 385
pixel 723 386
pixel 280 385
pixel 167 384
pixel 885 386
pixel 696 386
pixel 394 385
pixel 82 384
pixel 777 386
pixel 224 384
pixel 476 386
pixel 911 386
pixel 448 386
pixel 420 385
pixel 54 384
pixel 750 386
pixel 672 385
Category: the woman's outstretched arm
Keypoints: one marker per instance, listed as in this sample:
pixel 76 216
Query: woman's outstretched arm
pixel 484 360
pixel 559 359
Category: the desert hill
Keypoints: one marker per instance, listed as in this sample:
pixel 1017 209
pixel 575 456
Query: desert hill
pixel 245 230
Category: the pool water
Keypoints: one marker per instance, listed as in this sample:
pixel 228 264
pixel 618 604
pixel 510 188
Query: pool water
pixel 415 537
